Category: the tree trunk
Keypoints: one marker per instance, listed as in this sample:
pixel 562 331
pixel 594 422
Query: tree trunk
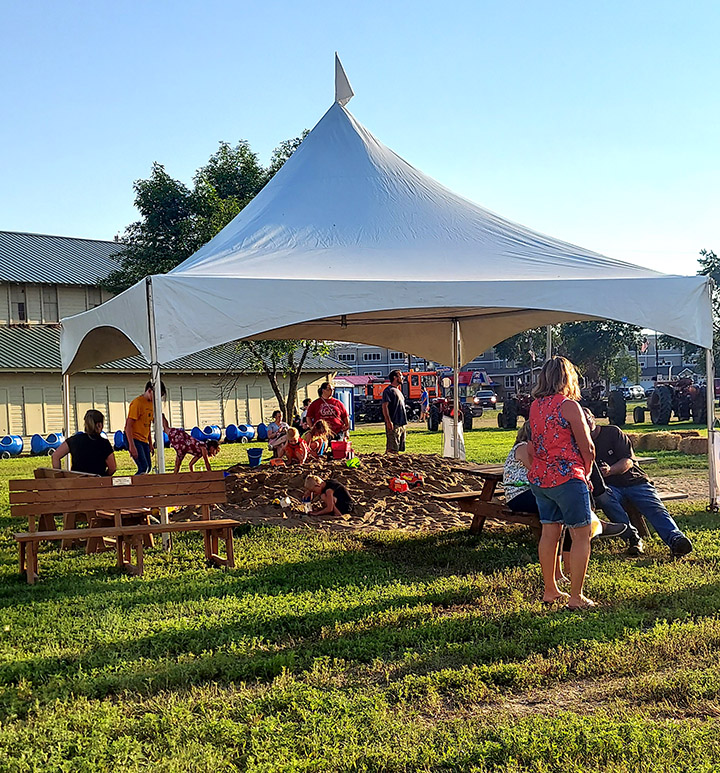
pixel 293 379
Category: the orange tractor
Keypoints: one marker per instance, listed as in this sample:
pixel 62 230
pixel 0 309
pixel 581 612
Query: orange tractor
pixel 368 407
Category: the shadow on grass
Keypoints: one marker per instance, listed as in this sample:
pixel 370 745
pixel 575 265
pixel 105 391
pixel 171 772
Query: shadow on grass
pixel 400 630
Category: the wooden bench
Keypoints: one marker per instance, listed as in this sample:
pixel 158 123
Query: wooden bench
pixel 34 498
pixel 474 502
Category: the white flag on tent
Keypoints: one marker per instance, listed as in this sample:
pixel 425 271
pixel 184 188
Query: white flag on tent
pixel 343 89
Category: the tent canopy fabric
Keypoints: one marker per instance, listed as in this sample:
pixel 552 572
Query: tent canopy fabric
pixel 350 242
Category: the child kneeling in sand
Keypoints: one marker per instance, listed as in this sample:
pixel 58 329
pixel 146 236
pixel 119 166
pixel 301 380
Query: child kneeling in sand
pixel 317 439
pixel 183 444
pixel 295 450
pixel 335 496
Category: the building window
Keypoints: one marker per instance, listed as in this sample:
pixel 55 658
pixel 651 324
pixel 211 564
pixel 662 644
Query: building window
pixel 395 356
pixel 346 357
pixel 50 304
pixel 377 373
pixel 18 312
pixel 509 382
pixel 371 356
pixel 94 297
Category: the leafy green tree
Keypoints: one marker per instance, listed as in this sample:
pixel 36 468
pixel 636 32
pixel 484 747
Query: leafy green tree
pixel 278 359
pixel 623 366
pixel 593 346
pixel 164 236
pixel 175 221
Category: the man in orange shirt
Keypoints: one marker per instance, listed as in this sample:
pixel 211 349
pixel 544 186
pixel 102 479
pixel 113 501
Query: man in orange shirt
pixel 138 428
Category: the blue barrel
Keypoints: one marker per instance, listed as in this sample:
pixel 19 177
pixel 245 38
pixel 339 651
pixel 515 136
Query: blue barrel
pixel 246 432
pixel 120 441
pixel 211 432
pixel 11 445
pixel 40 446
pixel 231 433
pixel 262 431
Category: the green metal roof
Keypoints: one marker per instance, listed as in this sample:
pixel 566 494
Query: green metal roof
pixel 37 348
pixel 55 259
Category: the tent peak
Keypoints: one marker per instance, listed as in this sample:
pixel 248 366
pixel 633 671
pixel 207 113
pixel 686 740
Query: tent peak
pixel 343 89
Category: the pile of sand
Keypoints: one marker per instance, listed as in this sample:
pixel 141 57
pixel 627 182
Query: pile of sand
pixel 251 491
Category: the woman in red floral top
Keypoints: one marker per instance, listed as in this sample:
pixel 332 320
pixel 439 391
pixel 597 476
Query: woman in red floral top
pixel 562 456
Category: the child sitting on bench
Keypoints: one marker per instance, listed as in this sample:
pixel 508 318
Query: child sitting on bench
pixel 184 444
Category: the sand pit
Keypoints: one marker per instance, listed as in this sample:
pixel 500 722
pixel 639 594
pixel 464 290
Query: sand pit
pixel 251 492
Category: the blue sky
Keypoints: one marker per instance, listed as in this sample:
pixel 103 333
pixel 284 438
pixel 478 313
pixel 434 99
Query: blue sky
pixel 595 123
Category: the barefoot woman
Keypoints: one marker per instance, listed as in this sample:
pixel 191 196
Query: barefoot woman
pixel 562 456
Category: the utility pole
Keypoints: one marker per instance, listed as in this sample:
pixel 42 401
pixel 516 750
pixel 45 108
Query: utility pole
pixel 657 358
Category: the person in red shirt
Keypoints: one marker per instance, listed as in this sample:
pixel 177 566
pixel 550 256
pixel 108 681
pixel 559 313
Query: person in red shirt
pixel 331 411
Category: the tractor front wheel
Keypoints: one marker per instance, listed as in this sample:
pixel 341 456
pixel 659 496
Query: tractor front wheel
pixel 511 411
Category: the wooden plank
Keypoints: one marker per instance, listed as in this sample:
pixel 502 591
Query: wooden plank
pixel 116 492
pixel 92 482
pixel 83 505
pixel 453 495
pixel 51 472
pixel 114 531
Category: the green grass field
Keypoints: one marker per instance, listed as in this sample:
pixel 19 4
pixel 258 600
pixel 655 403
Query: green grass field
pixel 361 653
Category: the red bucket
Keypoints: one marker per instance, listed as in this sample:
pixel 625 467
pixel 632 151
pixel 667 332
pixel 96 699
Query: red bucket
pixel 340 448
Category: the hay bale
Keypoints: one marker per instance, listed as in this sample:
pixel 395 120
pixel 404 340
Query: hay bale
pixel 641 443
pixel 686 432
pixel 661 441
pixel 693 445
pixel 634 438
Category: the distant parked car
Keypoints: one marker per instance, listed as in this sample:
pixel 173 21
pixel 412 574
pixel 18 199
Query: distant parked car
pixel 635 392
pixel 486 398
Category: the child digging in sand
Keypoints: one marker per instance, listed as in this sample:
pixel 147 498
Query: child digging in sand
pixel 295 450
pixel 335 496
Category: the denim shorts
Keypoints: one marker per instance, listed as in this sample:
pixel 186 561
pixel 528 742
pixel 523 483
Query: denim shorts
pixel 568 503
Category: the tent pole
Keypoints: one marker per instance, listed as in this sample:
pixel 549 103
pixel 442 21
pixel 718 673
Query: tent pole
pixel 548 342
pixel 456 386
pixel 712 435
pixel 66 413
pixel 157 398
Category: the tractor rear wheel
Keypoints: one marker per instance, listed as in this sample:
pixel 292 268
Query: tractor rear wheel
pixel 660 405
pixel 501 420
pixel 510 411
pixel 684 407
pixel 617 409
pixel 639 414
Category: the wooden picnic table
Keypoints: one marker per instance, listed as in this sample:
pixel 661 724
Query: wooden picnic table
pixel 481 503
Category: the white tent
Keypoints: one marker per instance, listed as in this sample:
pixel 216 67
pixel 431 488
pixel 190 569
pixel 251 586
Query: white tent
pixel 350 242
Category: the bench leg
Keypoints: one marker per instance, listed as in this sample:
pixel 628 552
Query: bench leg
pixel 208 546
pixel 22 546
pixel 138 567
pixel 120 551
pixel 32 563
pixel 229 548
pixel 477 524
